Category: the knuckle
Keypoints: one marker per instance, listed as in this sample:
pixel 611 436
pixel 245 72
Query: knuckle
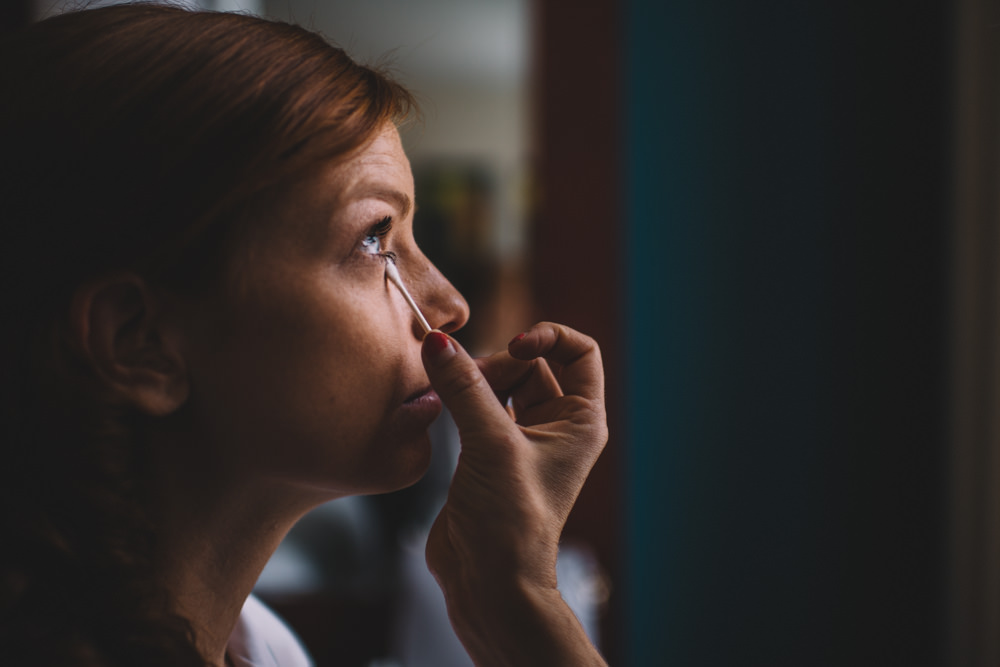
pixel 578 405
pixel 584 410
pixel 581 344
pixel 590 345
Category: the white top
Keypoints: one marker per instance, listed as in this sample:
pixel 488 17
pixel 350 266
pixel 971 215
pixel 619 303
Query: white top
pixel 261 639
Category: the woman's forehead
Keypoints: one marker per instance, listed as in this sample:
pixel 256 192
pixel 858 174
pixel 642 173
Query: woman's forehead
pixel 379 170
pixel 383 157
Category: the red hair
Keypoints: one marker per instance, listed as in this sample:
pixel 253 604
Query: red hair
pixel 131 137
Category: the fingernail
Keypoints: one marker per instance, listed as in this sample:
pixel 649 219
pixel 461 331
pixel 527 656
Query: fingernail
pixel 516 339
pixel 437 347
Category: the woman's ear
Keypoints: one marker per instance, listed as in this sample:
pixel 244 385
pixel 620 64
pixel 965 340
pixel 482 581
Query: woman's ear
pixel 120 326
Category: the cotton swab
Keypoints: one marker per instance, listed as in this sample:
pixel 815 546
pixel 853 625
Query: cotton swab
pixel 392 273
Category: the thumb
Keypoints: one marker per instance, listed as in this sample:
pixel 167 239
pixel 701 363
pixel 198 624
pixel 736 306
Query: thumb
pixel 462 387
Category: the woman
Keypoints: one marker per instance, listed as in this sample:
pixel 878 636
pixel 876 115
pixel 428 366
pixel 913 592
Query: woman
pixel 200 346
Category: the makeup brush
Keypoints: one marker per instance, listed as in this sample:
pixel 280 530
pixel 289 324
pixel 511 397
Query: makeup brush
pixel 392 273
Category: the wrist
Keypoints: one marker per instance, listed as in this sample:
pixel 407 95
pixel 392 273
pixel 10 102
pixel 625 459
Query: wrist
pixel 515 622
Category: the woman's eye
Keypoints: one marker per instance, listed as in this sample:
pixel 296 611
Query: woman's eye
pixel 372 245
pixel 372 242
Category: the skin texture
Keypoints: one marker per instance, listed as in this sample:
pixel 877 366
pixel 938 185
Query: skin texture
pixel 302 377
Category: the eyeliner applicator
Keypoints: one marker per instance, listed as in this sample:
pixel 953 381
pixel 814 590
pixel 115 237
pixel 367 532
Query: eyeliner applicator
pixel 392 273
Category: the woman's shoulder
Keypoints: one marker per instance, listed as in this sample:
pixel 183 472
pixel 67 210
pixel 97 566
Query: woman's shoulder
pixel 261 639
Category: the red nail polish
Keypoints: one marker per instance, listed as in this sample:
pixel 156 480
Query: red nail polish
pixel 435 345
pixel 516 339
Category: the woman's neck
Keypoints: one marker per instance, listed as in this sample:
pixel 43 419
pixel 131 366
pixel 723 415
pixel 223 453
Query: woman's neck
pixel 215 532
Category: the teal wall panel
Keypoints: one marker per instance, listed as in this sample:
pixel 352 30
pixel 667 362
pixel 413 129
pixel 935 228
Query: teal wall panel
pixel 786 197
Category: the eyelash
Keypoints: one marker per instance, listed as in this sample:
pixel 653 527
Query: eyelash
pixel 380 230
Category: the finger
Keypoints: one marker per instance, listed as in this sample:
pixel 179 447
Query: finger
pixel 527 382
pixel 582 371
pixel 458 381
pixel 539 387
pixel 503 372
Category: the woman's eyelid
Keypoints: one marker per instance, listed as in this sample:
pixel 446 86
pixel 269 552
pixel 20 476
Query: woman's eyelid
pixel 381 228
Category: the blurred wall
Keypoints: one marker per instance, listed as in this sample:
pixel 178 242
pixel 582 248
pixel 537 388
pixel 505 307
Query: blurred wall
pixel 787 259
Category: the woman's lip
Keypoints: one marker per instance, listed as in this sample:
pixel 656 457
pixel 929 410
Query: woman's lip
pixel 421 408
pixel 419 394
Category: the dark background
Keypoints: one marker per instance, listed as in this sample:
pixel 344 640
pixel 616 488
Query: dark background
pixel 771 283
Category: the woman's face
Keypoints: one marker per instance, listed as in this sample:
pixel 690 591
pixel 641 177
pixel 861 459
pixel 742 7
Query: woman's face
pixel 305 362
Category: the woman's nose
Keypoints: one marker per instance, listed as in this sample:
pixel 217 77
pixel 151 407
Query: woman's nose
pixel 442 305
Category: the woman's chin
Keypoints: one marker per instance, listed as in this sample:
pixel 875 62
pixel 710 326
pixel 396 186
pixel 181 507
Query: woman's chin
pixel 403 465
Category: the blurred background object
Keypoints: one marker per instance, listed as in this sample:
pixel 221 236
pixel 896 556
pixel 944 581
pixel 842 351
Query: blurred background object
pixel 781 220
pixel 809 429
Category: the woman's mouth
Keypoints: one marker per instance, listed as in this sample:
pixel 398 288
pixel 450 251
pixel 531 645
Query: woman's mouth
pixel 422 407
pixel 420 394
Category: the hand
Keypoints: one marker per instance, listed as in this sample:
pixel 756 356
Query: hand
pixel 493 547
